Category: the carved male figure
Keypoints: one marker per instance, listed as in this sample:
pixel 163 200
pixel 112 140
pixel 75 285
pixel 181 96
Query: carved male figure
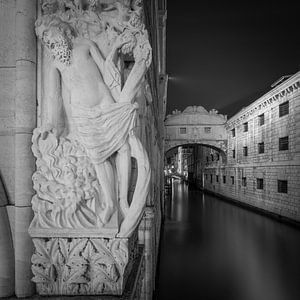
pixel 99 111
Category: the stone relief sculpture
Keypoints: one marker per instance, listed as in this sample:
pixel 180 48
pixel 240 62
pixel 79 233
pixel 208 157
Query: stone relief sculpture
pixel 86 139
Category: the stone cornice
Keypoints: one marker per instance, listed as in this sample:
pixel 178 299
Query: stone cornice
pixel 268 99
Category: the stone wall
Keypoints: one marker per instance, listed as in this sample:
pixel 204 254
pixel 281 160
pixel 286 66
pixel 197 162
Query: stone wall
pixel 243 171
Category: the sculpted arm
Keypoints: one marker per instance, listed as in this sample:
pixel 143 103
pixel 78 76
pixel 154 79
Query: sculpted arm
pixel 142 56
pixel 53 108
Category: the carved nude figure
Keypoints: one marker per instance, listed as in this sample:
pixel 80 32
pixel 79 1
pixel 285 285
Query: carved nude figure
pixel 100 113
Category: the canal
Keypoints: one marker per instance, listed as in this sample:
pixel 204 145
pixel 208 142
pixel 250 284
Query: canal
pixel 212 249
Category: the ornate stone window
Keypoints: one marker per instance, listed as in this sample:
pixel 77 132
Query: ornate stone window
pixel 259 183
pixel 244 181
pixel 245 127
pixel 261 119
pixel 182 130
pixel 284 143
pixel 245 151
pixel 282 186
pixel 261 147
pixel 284 109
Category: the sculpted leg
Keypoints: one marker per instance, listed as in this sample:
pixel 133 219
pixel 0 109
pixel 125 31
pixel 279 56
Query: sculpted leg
pixel 123 164
pixel 105 175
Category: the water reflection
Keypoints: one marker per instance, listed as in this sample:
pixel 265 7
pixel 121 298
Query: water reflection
pixel 213 250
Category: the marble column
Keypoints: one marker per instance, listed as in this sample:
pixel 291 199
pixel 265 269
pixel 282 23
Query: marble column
pixel 25 122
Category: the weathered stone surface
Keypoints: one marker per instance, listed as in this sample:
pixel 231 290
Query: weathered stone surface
pixel 24 287
pixel 7 104
pixel 7 33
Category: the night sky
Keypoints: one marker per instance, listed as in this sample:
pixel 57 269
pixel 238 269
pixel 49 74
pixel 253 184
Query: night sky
pixel 225 56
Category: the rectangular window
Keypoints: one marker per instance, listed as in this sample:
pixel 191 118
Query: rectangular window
pixel 207 158
pixel 232 179
pixel 284 109
pixel 261 119
pixel 207 129
pixel 182 130
pixel 245 151
pixel 218 156
pixel 205 176
pixel 224 179
pixel 217 178
pixel 233 153
pixel 259 183
pixel 212 157
pixel 282 186
pixel 284 143
pixel 261 147
pixel 211 178
pixel 245 126
pixel 244 181
pixel 233 132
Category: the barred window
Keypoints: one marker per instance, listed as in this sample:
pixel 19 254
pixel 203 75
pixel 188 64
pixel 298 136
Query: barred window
pixel 261 119
pixel 233 153
pixel 261 147
pixel 259 183
pixel 244 181
pixel 284 109
pixel 245 151
pixel 207 129
pixel 232 179
pixel 245 126
pixel 284 143
pixel 233 132
pixel 182 130
pixel 217 178
pixel 224 179
pixel 282 186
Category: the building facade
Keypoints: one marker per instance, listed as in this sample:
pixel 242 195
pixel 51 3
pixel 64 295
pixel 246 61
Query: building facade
pixel 262 165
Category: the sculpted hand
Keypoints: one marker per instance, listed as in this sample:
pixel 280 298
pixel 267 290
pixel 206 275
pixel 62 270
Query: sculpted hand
pixel 126 41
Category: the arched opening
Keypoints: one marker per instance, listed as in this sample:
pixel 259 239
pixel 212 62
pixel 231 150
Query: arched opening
pixel 188 161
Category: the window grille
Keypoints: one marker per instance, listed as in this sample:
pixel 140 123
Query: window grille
pixel 284 109
pixel 284 143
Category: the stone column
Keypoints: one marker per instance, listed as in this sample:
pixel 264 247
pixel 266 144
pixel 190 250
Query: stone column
pixel 147 238
pixel 6 250
pixel 25 122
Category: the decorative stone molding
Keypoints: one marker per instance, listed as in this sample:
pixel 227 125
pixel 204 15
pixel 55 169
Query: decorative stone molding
pixel 260 105
pixel 82 266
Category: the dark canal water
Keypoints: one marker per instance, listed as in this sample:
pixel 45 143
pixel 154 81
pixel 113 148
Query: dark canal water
pixel 212 249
